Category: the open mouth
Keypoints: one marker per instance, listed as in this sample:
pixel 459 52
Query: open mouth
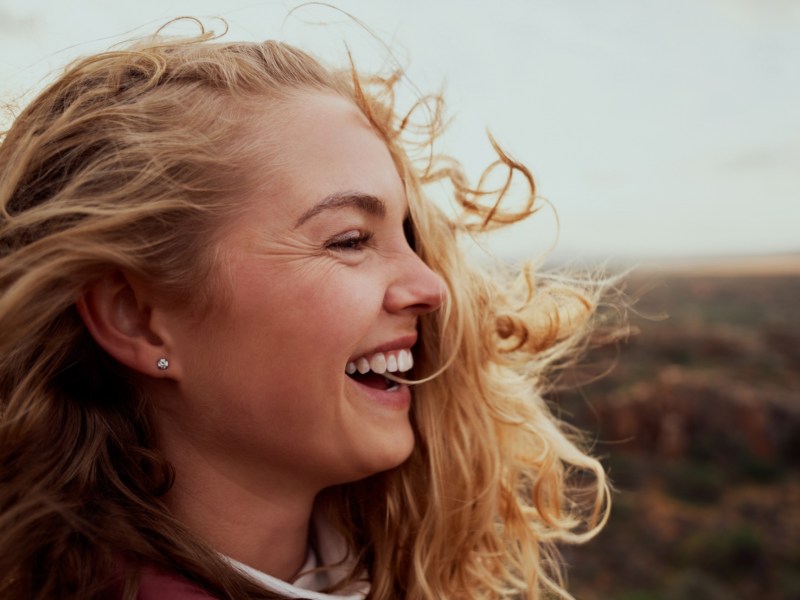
pixel 371 370
pixel 375 381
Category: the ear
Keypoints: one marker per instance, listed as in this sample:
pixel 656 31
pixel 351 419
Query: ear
pixel 118 312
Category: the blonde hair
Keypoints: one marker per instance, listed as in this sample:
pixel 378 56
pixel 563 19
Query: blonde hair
pixel 130 161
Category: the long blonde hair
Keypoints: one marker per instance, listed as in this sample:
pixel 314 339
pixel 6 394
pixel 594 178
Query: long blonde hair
pixel 130 160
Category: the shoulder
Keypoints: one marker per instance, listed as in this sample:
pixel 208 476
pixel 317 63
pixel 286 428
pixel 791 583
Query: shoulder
pixel 156 584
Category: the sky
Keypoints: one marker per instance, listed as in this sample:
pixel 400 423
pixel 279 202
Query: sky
pixel 661 129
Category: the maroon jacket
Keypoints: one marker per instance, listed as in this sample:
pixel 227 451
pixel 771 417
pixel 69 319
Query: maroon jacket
pixel 155 584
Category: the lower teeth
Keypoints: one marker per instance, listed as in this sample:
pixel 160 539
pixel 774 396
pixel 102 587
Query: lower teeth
pixel 391 386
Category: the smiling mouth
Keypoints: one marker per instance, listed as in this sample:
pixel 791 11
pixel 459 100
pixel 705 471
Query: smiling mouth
pixel 369 370
pixel 375 381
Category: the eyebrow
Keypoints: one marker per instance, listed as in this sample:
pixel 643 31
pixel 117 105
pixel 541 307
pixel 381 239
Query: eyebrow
pixel 364 202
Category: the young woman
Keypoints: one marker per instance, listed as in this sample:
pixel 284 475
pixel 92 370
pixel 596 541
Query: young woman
pixel 242 355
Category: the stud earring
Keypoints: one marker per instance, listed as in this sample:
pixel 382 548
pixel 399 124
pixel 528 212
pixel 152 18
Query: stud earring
pixel 162 363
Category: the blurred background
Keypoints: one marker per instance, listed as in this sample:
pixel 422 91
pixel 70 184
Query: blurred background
pixel 663 136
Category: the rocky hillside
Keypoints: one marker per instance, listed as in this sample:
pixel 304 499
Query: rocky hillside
pixel 698 423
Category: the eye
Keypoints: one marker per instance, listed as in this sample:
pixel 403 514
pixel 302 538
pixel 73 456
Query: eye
pixel 349 242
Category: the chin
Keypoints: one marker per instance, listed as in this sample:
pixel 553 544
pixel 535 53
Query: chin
pixel 392 451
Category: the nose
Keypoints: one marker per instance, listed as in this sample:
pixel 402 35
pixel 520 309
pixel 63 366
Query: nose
pixel 415 289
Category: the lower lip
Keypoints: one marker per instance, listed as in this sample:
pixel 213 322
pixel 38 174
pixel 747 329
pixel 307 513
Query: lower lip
pixel 399 399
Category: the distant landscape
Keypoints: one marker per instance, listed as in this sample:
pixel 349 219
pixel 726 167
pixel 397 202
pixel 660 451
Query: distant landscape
pixel 698 423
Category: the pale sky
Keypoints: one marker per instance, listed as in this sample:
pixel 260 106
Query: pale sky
pixel 668 128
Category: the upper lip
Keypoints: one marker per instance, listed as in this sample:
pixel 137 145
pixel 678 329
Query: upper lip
pixel 400 343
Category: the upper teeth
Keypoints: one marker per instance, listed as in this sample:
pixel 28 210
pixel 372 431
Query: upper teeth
pixel 382 362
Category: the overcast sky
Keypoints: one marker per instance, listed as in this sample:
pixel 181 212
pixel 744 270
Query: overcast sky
pixel 660 128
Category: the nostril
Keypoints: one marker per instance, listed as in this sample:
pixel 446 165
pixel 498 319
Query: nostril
pixel 430 298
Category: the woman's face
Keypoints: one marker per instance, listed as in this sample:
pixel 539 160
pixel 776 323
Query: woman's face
pixel 318 274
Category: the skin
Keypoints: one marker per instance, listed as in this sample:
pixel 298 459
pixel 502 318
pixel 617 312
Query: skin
pixel 255 411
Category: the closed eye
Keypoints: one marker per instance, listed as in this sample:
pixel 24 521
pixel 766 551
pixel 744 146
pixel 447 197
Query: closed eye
pixel 349 242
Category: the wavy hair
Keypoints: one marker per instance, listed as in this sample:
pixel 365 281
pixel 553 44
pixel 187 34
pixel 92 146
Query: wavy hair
pixel 130 160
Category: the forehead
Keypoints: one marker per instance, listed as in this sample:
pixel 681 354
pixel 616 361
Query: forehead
pixel 321 143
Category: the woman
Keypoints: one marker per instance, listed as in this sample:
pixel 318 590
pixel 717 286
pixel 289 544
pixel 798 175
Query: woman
pixel 220 279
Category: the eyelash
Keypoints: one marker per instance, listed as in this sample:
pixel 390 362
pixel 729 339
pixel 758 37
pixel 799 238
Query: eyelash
pixel 350 242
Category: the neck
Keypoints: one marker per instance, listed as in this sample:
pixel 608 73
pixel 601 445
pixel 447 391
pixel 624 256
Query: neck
pixel 253 518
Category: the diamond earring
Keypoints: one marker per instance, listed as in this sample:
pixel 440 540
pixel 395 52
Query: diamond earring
pixel 162 363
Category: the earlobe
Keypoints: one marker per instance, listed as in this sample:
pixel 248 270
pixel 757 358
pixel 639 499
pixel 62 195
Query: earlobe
pixel 118 315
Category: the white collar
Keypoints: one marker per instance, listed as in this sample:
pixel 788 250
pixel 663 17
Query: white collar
pixel 331 549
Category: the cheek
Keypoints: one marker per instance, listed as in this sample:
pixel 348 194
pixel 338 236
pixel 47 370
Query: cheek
pixel 302 319
pixel 276 351
pixel 326 299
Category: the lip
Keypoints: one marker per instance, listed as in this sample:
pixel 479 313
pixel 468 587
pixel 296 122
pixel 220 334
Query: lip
pixel 401 343
pixel 398 400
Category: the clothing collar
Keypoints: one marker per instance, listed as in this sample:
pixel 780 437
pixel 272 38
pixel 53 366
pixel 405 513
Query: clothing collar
pixel 330 549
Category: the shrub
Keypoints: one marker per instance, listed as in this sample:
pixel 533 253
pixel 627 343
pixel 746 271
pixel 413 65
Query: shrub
pixel 692 584
pixel 694 482
pixel 725 553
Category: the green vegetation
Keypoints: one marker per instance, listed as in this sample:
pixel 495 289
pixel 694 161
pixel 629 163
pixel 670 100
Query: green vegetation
pixel 725 553
pixel 694 482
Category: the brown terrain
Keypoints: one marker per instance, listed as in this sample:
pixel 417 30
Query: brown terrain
pixel 698 424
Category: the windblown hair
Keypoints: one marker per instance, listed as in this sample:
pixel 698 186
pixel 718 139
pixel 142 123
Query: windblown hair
pixel 131 161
